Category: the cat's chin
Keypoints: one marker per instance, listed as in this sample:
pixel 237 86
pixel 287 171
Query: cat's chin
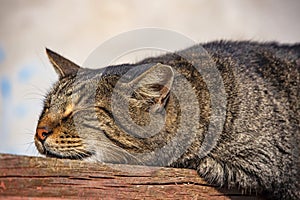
pixel 77 156
pixel 65 155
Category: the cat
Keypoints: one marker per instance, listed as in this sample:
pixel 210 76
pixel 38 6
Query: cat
pixel 229 110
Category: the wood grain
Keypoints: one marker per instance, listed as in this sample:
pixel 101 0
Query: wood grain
pixel 35 177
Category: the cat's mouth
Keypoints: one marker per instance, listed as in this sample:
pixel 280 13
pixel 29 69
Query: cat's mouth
pixel 66 150
pixel 74 155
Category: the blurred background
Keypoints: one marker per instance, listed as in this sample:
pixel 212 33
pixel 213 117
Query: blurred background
pixel 74 28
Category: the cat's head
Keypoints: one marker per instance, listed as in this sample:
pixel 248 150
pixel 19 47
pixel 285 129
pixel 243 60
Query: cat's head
pixel 89 114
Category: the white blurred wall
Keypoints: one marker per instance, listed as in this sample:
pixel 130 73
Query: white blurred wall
pixel 75 28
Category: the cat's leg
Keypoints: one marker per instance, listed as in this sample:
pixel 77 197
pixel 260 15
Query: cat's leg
pixel 228 176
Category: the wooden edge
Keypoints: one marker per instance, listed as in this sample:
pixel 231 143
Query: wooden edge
pixel 23 177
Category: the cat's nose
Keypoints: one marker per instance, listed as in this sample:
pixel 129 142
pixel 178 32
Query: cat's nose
pixel 42 133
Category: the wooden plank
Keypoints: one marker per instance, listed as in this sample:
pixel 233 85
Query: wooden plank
pixel 36 177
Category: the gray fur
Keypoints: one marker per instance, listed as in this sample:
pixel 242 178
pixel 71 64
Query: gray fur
pixel 257 149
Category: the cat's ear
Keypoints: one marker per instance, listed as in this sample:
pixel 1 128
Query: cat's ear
pixel 155 84
pixel 62 66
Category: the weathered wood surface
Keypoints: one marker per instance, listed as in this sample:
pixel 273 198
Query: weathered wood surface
pixel 35 177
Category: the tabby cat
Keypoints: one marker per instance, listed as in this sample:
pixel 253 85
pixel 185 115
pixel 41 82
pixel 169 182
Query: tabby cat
pixel 230 110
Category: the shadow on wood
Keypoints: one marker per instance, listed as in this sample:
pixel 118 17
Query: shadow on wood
pixel 23 176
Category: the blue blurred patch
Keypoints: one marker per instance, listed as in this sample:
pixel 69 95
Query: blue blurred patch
pixel 26 73
pixel 21 111
pixel 2 55
pixel 5 86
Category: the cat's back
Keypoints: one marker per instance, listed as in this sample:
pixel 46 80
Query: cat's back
pixel 276 63
pixel 263 104
pixel 263 108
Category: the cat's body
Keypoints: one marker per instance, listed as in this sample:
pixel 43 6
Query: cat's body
pixel 256 150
